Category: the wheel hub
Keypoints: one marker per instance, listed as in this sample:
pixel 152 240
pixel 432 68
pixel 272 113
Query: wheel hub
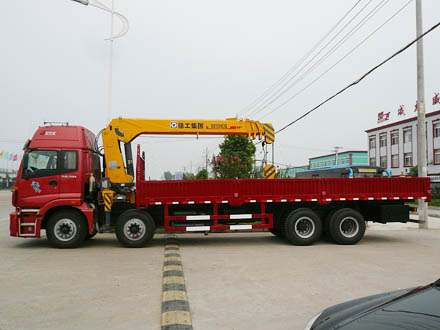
pixel 65 229
pixel 134 229
pixel 304 227
pixel 349 227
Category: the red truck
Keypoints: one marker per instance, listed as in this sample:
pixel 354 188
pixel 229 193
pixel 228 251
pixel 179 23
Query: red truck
pixel 62 188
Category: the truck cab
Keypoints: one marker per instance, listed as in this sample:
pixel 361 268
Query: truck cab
pixel 54 179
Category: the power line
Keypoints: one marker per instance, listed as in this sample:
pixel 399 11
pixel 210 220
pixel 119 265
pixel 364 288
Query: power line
pixel 335 47
pixel 283 89
pixel 361 78
pixel 293 68
pixel 339 61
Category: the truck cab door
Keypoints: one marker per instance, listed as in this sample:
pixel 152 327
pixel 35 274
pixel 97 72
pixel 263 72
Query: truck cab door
pixel 39 181
pixel 71 184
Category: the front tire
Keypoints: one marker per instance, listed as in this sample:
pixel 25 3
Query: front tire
pixel 347 226
pixel 135 229
pixel 66 229
pixel 302 227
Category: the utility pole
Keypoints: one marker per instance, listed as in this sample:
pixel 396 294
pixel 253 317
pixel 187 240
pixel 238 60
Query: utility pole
pixel 421 129
pixel 110 66
pixel 336 150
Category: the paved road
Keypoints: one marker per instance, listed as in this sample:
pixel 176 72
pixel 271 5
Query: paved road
pixel 234 281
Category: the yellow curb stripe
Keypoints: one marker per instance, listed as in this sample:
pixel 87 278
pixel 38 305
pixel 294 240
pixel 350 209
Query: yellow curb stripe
pixel 173 279
pixel 174 295
pixel 176 317
pixel 176 298
pixel 172 258
pixel 172 267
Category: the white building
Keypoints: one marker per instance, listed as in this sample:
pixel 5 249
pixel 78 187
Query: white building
pixel 394 146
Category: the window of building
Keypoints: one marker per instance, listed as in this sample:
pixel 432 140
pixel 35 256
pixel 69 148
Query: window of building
pixel 372 142
pixel 383 140
pixel 407 159
pixel 373 161
pixel 437 156
pixel 407 135
pixel 394 138
pixel 394 160
pixel 383 161
pixel 436 130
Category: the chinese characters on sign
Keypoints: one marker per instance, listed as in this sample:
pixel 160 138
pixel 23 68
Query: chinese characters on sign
pixel 383 116
pixel 175 124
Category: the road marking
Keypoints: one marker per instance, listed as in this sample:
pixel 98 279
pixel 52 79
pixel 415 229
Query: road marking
pixel 175 307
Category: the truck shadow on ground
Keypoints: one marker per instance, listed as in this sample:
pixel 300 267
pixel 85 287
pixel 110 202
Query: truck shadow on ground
pixel 269 239
pixel 213 239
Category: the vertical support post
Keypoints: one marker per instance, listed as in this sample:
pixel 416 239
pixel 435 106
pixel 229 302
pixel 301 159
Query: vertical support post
pixel 215 213
pixel 421 128
pixel 107 197
pixel 263 211
pixel 273 153
pixel 166 220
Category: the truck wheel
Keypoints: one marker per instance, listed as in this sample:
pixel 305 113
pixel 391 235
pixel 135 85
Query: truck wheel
pixel 326 225
pixel 66 229
pixel 347 226
pixel 135 228
pixel 302 227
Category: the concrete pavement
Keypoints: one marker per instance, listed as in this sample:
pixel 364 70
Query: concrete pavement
pixel 233 280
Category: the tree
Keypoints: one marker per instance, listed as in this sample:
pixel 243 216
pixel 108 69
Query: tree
pixel 167 175
pixel 414 171
pixel 188 176
pixel 202 174
pixel 235 158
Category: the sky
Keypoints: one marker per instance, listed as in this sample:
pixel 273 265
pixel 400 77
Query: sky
pixel 210 59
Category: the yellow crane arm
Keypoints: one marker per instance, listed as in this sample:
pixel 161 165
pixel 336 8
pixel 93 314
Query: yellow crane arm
pixel 126 130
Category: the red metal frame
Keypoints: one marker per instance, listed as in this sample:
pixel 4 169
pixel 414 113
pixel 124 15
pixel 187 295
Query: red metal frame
pixel 236 192
pixel 266 220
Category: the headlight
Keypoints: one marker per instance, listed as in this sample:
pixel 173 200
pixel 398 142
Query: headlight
pixel 312 320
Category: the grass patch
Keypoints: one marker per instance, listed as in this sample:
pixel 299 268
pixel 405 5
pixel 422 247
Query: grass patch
pixel 434 202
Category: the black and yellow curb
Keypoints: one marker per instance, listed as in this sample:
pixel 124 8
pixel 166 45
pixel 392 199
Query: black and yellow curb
pixel 175 307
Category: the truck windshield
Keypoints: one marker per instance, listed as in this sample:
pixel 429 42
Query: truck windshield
pixel 37 163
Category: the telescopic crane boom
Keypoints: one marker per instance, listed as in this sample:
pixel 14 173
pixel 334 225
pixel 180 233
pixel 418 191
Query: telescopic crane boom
pixel 126 130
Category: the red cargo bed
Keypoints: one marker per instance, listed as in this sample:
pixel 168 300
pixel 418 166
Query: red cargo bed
pixel 236 192
pixel 239 191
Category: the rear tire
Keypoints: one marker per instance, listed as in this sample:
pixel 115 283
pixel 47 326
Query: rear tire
pixel 66 229
pixel 347 226
pixel 135 229
pixel 302 227
pixel 326 225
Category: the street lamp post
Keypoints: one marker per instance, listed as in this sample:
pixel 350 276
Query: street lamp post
pixel 124 30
